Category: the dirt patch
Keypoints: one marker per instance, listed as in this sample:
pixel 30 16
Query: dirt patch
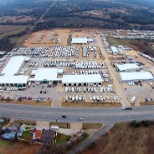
pixel 48 38
pixel 76 126
pixel 42 124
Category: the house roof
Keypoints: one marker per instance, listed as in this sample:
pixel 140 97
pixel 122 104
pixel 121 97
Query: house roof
pixel 38 134
pixel 48 135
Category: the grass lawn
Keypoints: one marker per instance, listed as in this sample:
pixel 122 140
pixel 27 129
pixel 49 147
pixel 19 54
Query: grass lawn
pixel 80 140
pixel 62 138
pixel 6 142
pixel 29 102
pixel 105 104
pixel 27 135
pixel 146 103
pixel 92 125
pixel 26 122
pixel 84 137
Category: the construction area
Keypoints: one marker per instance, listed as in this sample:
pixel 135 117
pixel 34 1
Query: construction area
pixel 73 67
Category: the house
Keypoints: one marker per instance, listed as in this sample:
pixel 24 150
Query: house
pixel 9 136
pixel 48 137
pixel 36 135
pixel 20 132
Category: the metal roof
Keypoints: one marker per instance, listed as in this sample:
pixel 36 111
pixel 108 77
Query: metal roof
pixel 49 74
pixel 14 79
pixel 123 67
pixel 79 40
pixel 89 78
pixel 114 49
pixel 128 76
pixel 13 66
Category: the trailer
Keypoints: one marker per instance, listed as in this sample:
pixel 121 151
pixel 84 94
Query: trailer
pixel 133 99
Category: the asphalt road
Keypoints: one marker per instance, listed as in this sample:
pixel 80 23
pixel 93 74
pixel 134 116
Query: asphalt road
pixel 105 115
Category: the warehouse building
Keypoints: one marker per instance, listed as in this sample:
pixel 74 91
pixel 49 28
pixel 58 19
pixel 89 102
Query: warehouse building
pixel 82 80
pixel 135 76
pixel 46 74
pixel 127 67
pixel 81 40
pixel 13 66
pixel 14 80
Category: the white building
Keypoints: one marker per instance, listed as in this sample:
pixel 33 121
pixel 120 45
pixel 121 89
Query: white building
pixel 127 67
pixel 82 80
pixel 46 74
pixel 13 66
pixel 114 50
pixel 135 76
pixel 13 80
pixel 81 40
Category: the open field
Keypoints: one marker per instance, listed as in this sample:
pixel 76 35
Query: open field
pixel 123 138
pixel 138 45
pixel 16 19
pixel 6 30
pixel 13 36
pixel 47 38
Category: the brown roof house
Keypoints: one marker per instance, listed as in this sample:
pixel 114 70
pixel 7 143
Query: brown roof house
pixel 48 137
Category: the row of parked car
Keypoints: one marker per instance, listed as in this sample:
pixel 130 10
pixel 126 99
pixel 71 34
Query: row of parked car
pixel 34 98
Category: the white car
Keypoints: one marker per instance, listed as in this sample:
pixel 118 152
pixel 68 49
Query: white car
pixel 80 119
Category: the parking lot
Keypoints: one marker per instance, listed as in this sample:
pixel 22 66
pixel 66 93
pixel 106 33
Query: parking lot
pixel 81 59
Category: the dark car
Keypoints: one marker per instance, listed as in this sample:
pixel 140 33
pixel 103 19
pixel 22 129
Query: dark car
pixel 63 116
pixel 127 108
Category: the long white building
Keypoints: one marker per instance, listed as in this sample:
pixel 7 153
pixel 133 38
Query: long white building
pixel 127 67
pixel 81 40
pixel 136 76
pixel 13 80
pixel 82 80
pixel 13 66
